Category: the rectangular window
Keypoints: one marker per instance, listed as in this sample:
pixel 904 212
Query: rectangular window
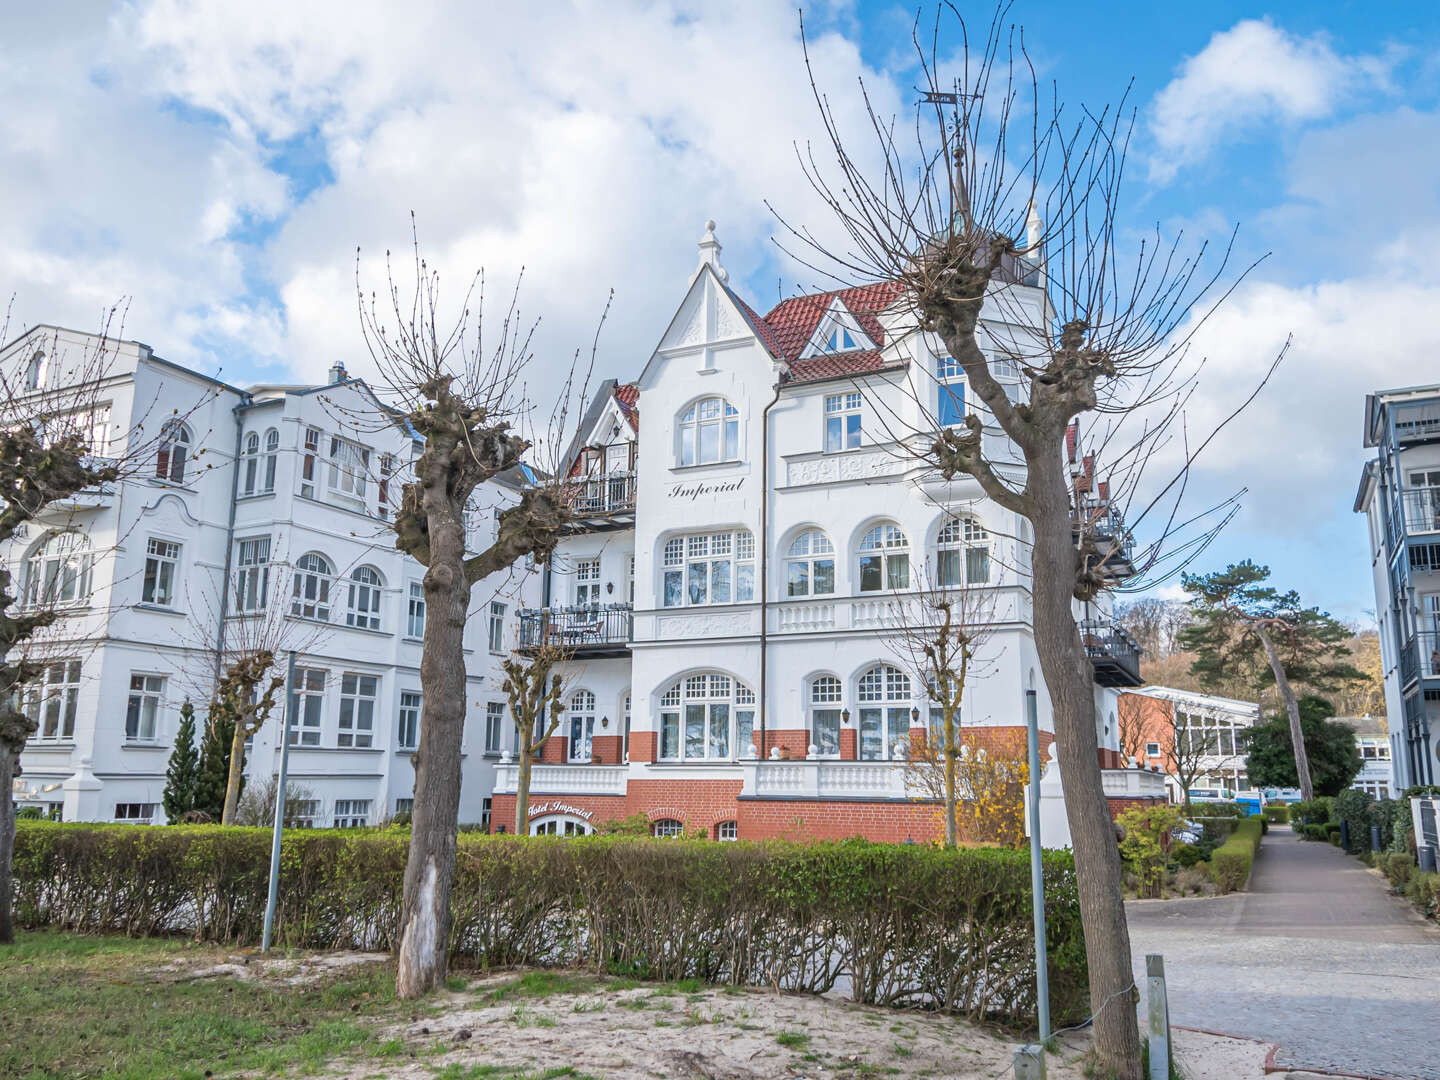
pixel 631 580
pixel 357 710
pixel 485 806
pixel 587 583
pixel 352 813
pixel 716 568
pixel 252 575
pixel 415 613
pixel 494 726
pixel 162 557
pixel 669 734
pixel 51 701
pixel 727 830
pixel 136 811
pixel 409 720
pixel 348 469
pixel 301 813
pixel 951 379
pixel 404 806
pixel 496 635
pixel 308 462
pixel 1152 749
pixel 309 707
pixel 842 422
pixel 382 493
pixel 146 693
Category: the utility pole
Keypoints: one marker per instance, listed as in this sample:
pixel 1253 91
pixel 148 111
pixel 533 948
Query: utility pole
pixel 279 826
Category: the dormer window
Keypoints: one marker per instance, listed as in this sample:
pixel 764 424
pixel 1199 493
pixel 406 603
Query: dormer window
pixel 841 340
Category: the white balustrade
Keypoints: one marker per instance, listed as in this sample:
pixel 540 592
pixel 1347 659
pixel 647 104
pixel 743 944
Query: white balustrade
pixel 825 779
pixel 1133 784
pixel 564 779
pixel 801 617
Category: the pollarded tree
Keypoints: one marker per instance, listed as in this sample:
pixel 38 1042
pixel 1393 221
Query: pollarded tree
pixel 463 396
pixel 535 691
pixel 1012 213
pixel 1244 626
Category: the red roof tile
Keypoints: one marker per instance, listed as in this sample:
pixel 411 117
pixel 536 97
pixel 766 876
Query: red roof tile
pixel 794 321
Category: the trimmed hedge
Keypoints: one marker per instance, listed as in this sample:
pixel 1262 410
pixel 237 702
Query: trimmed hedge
pixel 1230 865
pixel 1315 832
pixel 1218 829
pixel 909 925
pixel 1277 813
pixel 1318 811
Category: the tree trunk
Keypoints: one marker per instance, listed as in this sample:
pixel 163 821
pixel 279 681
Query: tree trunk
pixel 951 831
pixel 430 868
pixel 1292 710
pixel 9 759
pixel 522 789
pixel 232 778
pixel 1070 680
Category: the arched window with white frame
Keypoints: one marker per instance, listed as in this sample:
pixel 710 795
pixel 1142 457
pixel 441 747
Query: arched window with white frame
pixel 826 695
pixel 668 827
pixel 709 432
pixel 310 597
pixel 962 553
pixel 810 565
pixel 58 571
pixel 363 609
pixel 884 559
pixel 251 463
pixel 561 825
pixel 173 453
pixel 581 712
pixel 35 371
pixel 884 702
pixel 272 452
pixel 706 717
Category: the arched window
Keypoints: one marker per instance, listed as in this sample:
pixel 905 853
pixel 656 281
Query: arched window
pixel 884 559
pixel 272 451
pixel 363 610
pixel 708 717
pixel 58 571
pixel 727 830
pixel 963 553
pixel 310 598
pixel 668 827
pixel 884 699
pixel 174 450
pixel 35 371
pixel 810 565
pixel 826 693
pixel 561 825
pixel 582 724
pixel 251 467
pixel 708 568
pixel 709 431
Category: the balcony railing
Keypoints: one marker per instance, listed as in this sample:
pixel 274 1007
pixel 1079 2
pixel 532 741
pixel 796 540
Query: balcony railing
pixel 1422 510
pixel 1417 422
pixel 564 779
pixel 1427 645
pixel 1101 520
pixel 587 631
pixel 1112 652
pixel 598 496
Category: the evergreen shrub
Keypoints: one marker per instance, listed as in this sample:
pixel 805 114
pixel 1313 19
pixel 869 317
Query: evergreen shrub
pixel 1230 865
pixel 1277 813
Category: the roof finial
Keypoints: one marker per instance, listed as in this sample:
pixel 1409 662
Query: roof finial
pixel 1034 229
pixel 710 251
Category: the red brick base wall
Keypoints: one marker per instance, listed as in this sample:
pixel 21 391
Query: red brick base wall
pixel 607 749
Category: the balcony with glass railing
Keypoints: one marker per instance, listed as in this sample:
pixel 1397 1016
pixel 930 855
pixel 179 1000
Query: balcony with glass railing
pixel 596 632
pixel 1113 653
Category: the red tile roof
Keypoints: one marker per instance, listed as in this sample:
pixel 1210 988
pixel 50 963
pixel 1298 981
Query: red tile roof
pixel 793 323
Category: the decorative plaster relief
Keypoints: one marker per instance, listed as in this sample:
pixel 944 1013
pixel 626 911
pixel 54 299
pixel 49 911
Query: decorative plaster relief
pixel 728 624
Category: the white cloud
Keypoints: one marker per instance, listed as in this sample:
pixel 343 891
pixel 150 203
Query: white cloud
pixel 1248 74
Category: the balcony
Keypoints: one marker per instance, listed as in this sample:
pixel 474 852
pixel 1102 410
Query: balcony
pixel 1417 422
pixel 564 779
pixel 1422 510
pixel 1100 519
pixel 1132 784
pixel 604 502
pixel 1427 650
pixel 593 632
pixel 1112 652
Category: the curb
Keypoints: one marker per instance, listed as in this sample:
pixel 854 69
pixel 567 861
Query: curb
pixel 1270 1065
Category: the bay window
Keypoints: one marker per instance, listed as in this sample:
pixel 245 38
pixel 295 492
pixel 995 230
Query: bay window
pixel 252 575
pixel 364 606
pixel 310 597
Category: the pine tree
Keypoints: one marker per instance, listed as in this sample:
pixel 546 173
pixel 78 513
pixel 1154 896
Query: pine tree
pixel 215 764
pixel 183 775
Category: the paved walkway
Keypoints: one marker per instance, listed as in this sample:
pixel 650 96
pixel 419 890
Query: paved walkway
pixel 1316 956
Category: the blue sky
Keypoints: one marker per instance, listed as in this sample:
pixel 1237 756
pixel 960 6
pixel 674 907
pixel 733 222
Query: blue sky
pixel 219 165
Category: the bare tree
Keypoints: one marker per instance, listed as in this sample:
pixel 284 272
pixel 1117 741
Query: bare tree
pixel 1188 752
pixel 1132 721
pixel 463 394
pixel 1013 208
pixel 536 694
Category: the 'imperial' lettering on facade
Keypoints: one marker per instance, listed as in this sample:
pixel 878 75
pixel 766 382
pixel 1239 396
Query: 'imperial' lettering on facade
pixel 694 491
pixel 561 808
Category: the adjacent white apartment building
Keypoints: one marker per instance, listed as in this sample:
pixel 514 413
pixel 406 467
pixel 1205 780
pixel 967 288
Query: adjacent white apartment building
pixel 262 504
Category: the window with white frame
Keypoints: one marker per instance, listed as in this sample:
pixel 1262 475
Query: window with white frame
pixel 561 826
pixel 630 580
pixel 709 568
pixel 708 717
pixel 57 573
pixel 841 340
pixel 348 469
pixel 301 813
pixel 826 693
pixel 963 553
pixel 494 725
pixel 1152 749
pixel 810 565
pixel 250 464
pixel 1207 734
pixel 363 610
pixel 51 699
pixel 272 453
pixel 950 380
pixel 309 462
pixel 173 453
pixel 309 708
pixel 357 710
pixel 495 631
pixel 143 812
pixel 485 807
pixel 884 559
pixel 162 558
pixel 587 582
pixel 709 432
pixel 415 611
pixel 842 421
pixel 582 724
pixel 884 699
pixel 143 711
pixel 35 371
pixel 352 813
pixel 727 830
pixel 252 575
pixel 404 806
pixel 667 827
pixel 407 727
pixel 310 596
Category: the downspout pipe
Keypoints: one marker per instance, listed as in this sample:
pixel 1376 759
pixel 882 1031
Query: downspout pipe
pixel 245 400
pixel 765 562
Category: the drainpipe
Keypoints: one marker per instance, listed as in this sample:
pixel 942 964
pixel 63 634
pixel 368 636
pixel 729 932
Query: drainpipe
pixel 765 557
pixel 230 540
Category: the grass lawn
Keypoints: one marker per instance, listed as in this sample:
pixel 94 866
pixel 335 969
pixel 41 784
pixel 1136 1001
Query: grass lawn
pixel 74 1006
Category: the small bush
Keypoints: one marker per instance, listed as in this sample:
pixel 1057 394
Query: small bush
pixel 1399 868
pixel 1147 840
pixel 1423 891
pixel 1332 833
pixel 1217 809
pixel 1318 811
pixel 1194 882
pixel 1218 829
pixel 1277 813
pixel 1188 855
pixel 1230 865
pixel 1314 832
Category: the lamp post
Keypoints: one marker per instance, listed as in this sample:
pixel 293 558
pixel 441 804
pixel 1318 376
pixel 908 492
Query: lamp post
pixel 279 826
pixel 1037 867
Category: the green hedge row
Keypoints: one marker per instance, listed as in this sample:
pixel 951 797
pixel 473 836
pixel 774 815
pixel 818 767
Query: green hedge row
pixel 907 925
pixel 1422 889
pixel 1230 865
pixel 1277 813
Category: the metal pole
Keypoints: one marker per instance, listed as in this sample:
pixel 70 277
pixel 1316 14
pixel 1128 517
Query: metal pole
pixel 279 826
pixel 1037 868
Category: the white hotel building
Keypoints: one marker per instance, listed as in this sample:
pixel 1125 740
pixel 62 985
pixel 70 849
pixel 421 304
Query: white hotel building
pixel 748 520
pixel 275 495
